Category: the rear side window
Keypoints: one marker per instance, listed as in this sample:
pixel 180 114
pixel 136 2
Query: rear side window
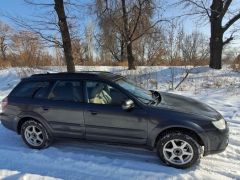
pixel 67 91
pixel 30 89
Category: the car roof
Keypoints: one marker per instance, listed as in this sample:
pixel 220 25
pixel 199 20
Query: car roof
pixel 77 75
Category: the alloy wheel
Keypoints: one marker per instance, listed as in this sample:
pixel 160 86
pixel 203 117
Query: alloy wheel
pixel 33 135
pixel 178 152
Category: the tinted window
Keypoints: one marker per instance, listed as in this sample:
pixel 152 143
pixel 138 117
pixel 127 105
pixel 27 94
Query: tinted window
pixel 31 89
pixel 102 93
pixel 67 91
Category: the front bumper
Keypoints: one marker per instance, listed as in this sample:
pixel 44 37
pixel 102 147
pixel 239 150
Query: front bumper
pixel 216 141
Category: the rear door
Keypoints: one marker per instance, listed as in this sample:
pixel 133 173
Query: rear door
pixel 106 120
pixel 63 108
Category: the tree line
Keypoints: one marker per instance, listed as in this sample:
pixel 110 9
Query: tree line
pixel 132 32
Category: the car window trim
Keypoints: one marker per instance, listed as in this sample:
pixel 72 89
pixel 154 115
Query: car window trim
pixel 108 83
pixel 55 81
pixel 48 90
pixel 30 81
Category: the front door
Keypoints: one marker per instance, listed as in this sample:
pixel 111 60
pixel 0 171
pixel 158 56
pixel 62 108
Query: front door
pixel 106 120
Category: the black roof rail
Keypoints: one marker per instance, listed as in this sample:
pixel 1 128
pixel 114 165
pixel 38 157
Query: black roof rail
pixel 94 72
pixel 103 74
pixel 78 72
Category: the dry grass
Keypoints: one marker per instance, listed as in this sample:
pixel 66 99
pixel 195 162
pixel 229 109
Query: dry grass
pixel 4 64
pixel 236 64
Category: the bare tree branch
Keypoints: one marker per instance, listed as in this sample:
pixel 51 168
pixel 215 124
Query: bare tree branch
pixel 195 3
pixel 231 22
pixel 31 2
pixel 138 18
pixel 227 40
pixel 21 23
pixel 149 28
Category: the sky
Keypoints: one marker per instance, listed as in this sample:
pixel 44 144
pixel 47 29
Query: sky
pixel 16 7
pixel 19 8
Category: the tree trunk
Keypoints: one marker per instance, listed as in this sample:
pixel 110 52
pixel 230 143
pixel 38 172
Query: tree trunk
pixel 131 60
pixel 130 57
pixel 122 50
pixel 216 40
pixel 3 52
pixel 216 48
pixel 3 48
pixel 66 40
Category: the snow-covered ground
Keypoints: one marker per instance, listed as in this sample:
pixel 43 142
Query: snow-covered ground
pixel 74 159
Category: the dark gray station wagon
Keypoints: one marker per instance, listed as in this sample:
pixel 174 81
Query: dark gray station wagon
pixel 106 107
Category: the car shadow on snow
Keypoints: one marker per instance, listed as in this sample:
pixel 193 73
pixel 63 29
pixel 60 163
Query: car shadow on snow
pixel 70 158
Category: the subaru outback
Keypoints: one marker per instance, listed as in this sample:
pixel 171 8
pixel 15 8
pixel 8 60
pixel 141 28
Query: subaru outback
pixel 102 106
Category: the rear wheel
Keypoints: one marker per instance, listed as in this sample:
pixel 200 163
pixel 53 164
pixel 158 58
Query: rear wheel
pixel 179 150
pixel 35 135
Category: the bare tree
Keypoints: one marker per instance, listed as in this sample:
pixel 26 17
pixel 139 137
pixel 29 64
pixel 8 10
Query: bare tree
pixel 79 53
pixel 221 18
pixel 26 49
pixel 183 49
pixel 149 49
pixel 131 20
pixel 4 36
pixel 53 21
pixel 173 37
pixel 89 41
pixel 194 51
pixel 109 39
pixel 194 48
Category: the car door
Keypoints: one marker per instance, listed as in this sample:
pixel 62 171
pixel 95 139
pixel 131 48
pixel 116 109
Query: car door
pixel 63 109
pixel 106 120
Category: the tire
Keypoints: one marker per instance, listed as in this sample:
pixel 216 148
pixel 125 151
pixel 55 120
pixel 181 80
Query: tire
pixel 179 150
pixel 35 135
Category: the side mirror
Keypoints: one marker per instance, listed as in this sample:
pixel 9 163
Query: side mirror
pixel 128 104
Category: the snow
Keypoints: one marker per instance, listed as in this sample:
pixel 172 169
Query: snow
pixel 75 159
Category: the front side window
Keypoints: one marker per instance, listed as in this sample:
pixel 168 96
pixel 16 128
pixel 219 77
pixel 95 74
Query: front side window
pixel 102 93
pixel 67 91
pixel 30 89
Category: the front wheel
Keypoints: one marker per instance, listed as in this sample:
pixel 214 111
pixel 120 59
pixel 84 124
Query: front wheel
pixel 178 150
pixel 35 135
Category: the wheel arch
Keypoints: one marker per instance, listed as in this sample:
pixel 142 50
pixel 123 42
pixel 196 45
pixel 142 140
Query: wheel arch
pixel 185 130
pixel 27 118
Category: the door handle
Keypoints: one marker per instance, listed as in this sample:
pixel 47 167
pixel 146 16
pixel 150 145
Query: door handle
pixel 45 108
pixel 93 112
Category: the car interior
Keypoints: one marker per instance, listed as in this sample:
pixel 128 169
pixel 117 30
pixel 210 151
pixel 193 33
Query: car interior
pixel 100 93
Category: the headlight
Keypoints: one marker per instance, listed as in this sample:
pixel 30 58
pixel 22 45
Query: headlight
pixel 220 124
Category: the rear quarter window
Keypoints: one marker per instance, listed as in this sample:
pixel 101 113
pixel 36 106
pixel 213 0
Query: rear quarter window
pixel 31 89
pixel 67 91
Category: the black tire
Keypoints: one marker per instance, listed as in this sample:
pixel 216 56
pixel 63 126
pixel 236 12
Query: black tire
pixel 45 136
pixel 180 137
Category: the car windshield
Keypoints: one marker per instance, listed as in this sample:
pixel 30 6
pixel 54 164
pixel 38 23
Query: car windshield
pixel 143 95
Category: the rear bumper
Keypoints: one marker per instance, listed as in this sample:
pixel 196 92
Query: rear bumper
pixel 7 121
pixel 216 141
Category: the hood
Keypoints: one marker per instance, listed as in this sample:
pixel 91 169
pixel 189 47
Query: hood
pixel 187 105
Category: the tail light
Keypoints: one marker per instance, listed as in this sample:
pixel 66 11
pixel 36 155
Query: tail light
pixel 4 103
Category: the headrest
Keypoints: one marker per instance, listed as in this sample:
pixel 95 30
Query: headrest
pixel 97 89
